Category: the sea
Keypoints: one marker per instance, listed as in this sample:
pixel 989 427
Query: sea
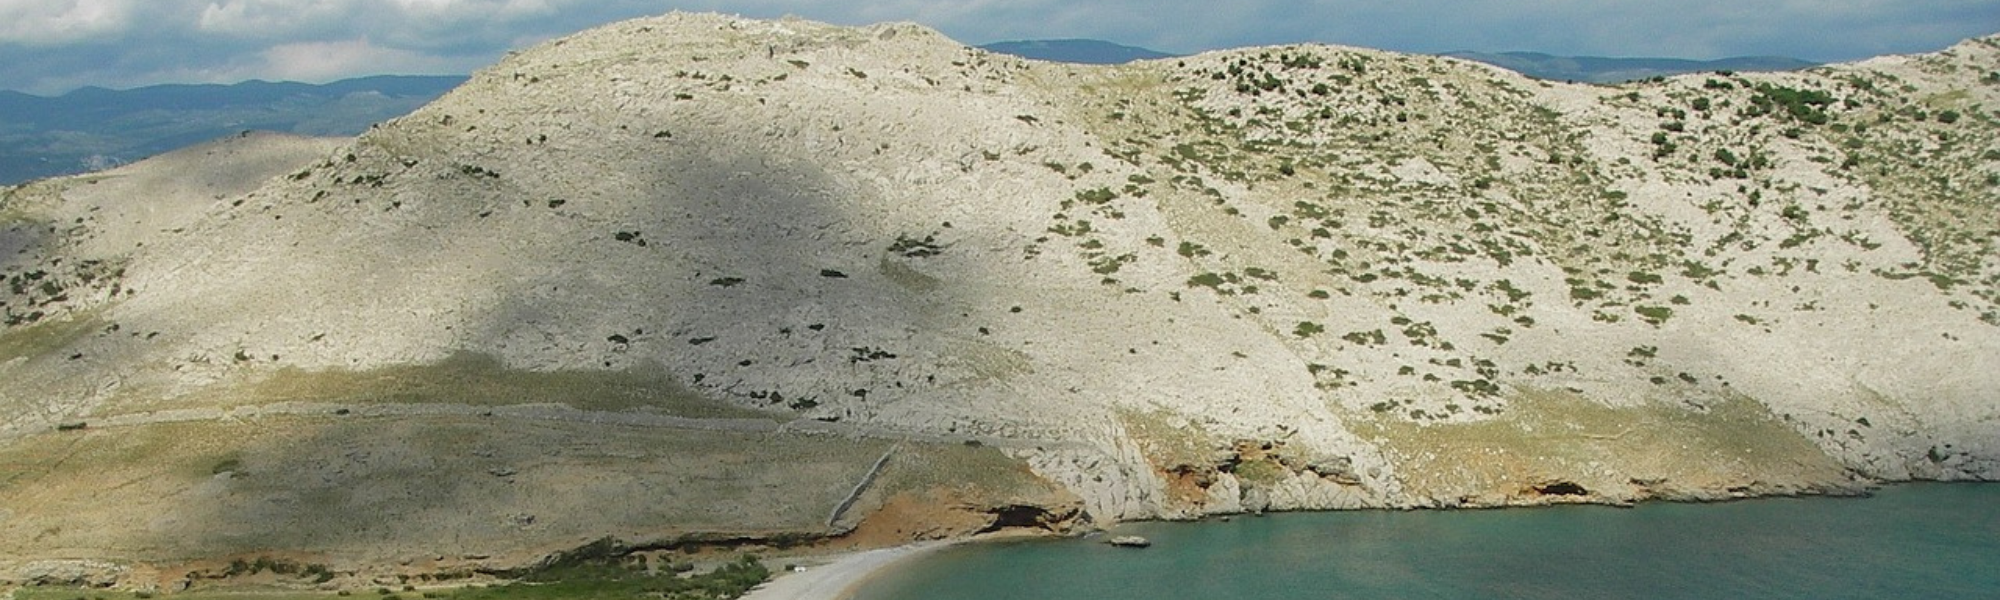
pixel 1902 542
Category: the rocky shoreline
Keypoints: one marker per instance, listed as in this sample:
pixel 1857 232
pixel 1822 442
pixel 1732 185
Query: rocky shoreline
pixel 851 560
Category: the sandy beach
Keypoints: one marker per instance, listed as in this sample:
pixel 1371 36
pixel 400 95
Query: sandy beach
pixel 839 577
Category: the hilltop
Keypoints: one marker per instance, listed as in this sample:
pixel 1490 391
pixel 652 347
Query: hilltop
pixel 95 129
pixel 703 280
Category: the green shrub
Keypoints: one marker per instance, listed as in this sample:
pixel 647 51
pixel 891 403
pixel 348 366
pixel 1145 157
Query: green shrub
pixel 1654 314
pixel 1803 105
pixel 1211 280
pixel 912 247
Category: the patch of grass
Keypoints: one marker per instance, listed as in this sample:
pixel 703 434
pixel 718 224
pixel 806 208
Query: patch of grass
pixel 73 593
pixel 1261 472
pixel 602 569
pixel 46 336
pixel 10 215
pixel 303 481
pixel 1558 433
pixel 1168 439
pixel 982 470
pixel 479 379
pixel 584 580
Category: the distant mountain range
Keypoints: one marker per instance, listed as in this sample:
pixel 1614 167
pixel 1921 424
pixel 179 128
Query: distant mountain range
pixel 1598 69
pixel 94 128
pixel 1092 52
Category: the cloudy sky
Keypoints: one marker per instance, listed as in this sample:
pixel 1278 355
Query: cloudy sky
pixel 51 46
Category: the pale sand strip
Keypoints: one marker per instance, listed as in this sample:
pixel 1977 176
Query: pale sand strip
pixel 841 577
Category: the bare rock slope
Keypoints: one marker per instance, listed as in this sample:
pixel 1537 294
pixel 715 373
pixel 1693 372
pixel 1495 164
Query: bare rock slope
pixel 702 276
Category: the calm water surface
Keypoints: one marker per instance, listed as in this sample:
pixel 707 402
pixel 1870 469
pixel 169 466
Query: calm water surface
pixel 1914 541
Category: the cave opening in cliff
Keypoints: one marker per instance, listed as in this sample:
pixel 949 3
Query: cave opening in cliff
pixel 1561 488
pixel 1018 516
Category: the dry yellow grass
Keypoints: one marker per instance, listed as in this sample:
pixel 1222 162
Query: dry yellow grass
pixel 1550 435
pixel 360 487
pixel 471 379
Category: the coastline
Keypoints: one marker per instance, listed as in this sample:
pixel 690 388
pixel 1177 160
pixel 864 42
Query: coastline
pixel 1669 550
pixel 840 577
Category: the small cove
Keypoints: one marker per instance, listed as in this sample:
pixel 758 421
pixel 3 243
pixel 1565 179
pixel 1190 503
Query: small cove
pixel 1907 541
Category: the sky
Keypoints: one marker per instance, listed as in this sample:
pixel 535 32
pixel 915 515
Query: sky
pixel 52 46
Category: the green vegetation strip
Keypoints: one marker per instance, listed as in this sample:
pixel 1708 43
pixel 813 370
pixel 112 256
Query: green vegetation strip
pixel 482 380
pixel 566 578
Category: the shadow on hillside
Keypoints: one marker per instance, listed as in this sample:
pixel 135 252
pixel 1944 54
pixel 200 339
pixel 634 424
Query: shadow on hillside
pixel 358 490
pixel 722 266
pixel 710 259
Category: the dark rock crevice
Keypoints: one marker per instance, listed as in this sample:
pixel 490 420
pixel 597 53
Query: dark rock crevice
pixel 1560 488
pixel 1032 517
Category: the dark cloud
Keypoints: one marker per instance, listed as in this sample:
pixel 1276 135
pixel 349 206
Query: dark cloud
pixel 50 46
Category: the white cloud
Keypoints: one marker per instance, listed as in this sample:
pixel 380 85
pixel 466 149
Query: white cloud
pixel 46 45
pixel 269 19
pixel 47 22
pixel 323 61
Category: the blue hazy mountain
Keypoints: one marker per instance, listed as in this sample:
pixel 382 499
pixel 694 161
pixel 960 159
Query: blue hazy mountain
pixel 1599 69
pixel 92 127
pixel 1094 52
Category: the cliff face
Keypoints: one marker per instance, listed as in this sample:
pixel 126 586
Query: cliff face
pixel 765 259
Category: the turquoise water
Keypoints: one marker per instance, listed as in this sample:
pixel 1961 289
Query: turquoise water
pixel 1914 541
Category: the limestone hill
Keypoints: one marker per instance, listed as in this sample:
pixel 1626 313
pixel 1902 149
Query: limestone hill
pixel 701 279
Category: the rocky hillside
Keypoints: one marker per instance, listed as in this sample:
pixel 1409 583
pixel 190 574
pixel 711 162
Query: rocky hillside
pixel 701 279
